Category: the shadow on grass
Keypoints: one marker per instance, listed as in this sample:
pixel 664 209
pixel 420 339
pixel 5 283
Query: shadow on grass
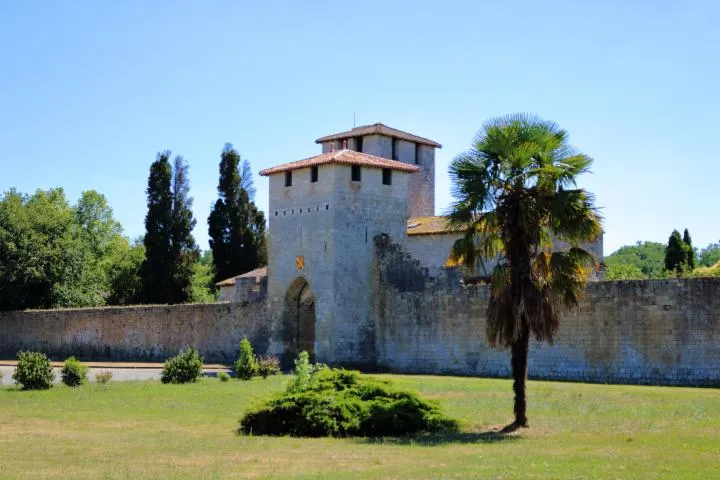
pixel 490 436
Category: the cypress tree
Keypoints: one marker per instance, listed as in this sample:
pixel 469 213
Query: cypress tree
pixel 170 249
pixel 675 253
pixel 156 270
pixel 690 260
pixel 235 225
pixel 183 250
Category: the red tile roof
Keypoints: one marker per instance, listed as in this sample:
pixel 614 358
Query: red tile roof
pixel 346 157
pixel 378 129
pixel 257 274
pixel 428 226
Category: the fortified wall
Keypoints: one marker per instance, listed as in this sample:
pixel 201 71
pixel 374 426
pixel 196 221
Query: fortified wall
pixel 150 333
pixel 664 332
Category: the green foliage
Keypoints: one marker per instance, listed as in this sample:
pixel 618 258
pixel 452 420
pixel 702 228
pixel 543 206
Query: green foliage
pixel 170 249
pixel 304 373
pixel 690 258
pixel 223 376
pixel 235 225
pixel 74 373
pixel 34 371
pixel 123 264
pixel 246 366
pixel 623 271
pixel 103 377
pixel 709 255
pixel 649 257
pixel 268 365
pixel 342 403
pixel 203 280
pixel 186 367
pixel 676 253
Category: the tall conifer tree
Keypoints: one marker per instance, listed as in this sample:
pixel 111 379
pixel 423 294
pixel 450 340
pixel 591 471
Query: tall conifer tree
pixel 675 253
pixel 235 225
pixel 690 250
pixel 170 248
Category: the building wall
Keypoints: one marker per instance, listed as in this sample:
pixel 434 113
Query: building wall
pixel 650 332
pixel 140 333
pixel 431 250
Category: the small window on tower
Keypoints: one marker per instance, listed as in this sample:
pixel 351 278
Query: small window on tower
pixel 417 154
pixel 313 174
pixel 288 178
pixel 358 144
pixel 355 174
pixel 394 149
pixel 387 176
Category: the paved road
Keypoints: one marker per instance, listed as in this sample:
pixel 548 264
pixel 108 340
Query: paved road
pixel 119 373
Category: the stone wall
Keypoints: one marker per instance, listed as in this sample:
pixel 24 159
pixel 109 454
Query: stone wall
pixel 139 333
pixel 648 332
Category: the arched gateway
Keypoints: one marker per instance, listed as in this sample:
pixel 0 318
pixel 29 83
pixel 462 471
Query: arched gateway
pixel 299 319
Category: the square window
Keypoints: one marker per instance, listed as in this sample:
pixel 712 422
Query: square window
pixel 387 176
pixel 355 175
pixel 313 174
pixel 288 178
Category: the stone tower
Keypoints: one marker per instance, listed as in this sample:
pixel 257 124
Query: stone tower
pixel 386 142
pixel 324 213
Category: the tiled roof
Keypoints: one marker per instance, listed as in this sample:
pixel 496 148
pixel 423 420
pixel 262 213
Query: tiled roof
pixel 257 273
pixel 428 226
pixel 346 157
pixel 378 128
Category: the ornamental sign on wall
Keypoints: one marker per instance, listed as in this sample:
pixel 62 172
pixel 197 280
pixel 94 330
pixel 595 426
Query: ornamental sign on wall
pixel 300 262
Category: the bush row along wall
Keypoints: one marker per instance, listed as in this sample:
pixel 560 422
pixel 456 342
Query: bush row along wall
pixel 650 332
pixel 139 333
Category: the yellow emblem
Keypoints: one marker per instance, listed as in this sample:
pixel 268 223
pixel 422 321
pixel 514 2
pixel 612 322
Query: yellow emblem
pixel 300 262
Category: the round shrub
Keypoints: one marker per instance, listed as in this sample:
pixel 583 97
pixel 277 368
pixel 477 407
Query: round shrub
pixel 185 367
pixel 268 365
pixel 246 366
pixel 74 373
pixel 342 403
pixel 223 376
pixel 33 371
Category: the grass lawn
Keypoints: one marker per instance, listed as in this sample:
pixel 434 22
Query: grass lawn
pixel 149 430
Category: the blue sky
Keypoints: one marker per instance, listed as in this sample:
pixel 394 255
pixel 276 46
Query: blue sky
pixel 91 91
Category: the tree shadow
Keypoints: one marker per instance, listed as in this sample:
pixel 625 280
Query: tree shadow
pixel 431 440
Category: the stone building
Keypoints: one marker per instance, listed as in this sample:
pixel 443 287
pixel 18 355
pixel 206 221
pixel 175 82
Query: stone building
pixel 324 213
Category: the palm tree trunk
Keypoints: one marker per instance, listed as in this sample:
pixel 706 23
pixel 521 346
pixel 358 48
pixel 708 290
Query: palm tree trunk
pixel 519 371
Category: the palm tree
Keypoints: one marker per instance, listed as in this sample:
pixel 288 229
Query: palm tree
pixel 514 190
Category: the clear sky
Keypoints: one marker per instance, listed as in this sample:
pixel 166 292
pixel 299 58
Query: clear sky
pixel 91 91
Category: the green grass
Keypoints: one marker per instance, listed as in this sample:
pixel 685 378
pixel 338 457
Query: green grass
pixel 149 430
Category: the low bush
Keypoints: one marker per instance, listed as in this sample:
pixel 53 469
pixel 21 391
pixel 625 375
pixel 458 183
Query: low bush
pixel 343 403
pixel 74 373
pixel 268 365
pixel 223 376
pixel 246 366
pixel 103 377
pixel 185 367
pixel 33 371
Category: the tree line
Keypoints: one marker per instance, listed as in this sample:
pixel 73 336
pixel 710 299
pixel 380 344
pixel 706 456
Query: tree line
pixel 57 254
pixel 677 258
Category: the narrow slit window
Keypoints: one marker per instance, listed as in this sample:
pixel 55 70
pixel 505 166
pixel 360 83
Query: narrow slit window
pixel 417 154
pixel 358 144
pixel 288 178
pixel 313 174
pixel 356 174
pixel 394 149
pixel 387 176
